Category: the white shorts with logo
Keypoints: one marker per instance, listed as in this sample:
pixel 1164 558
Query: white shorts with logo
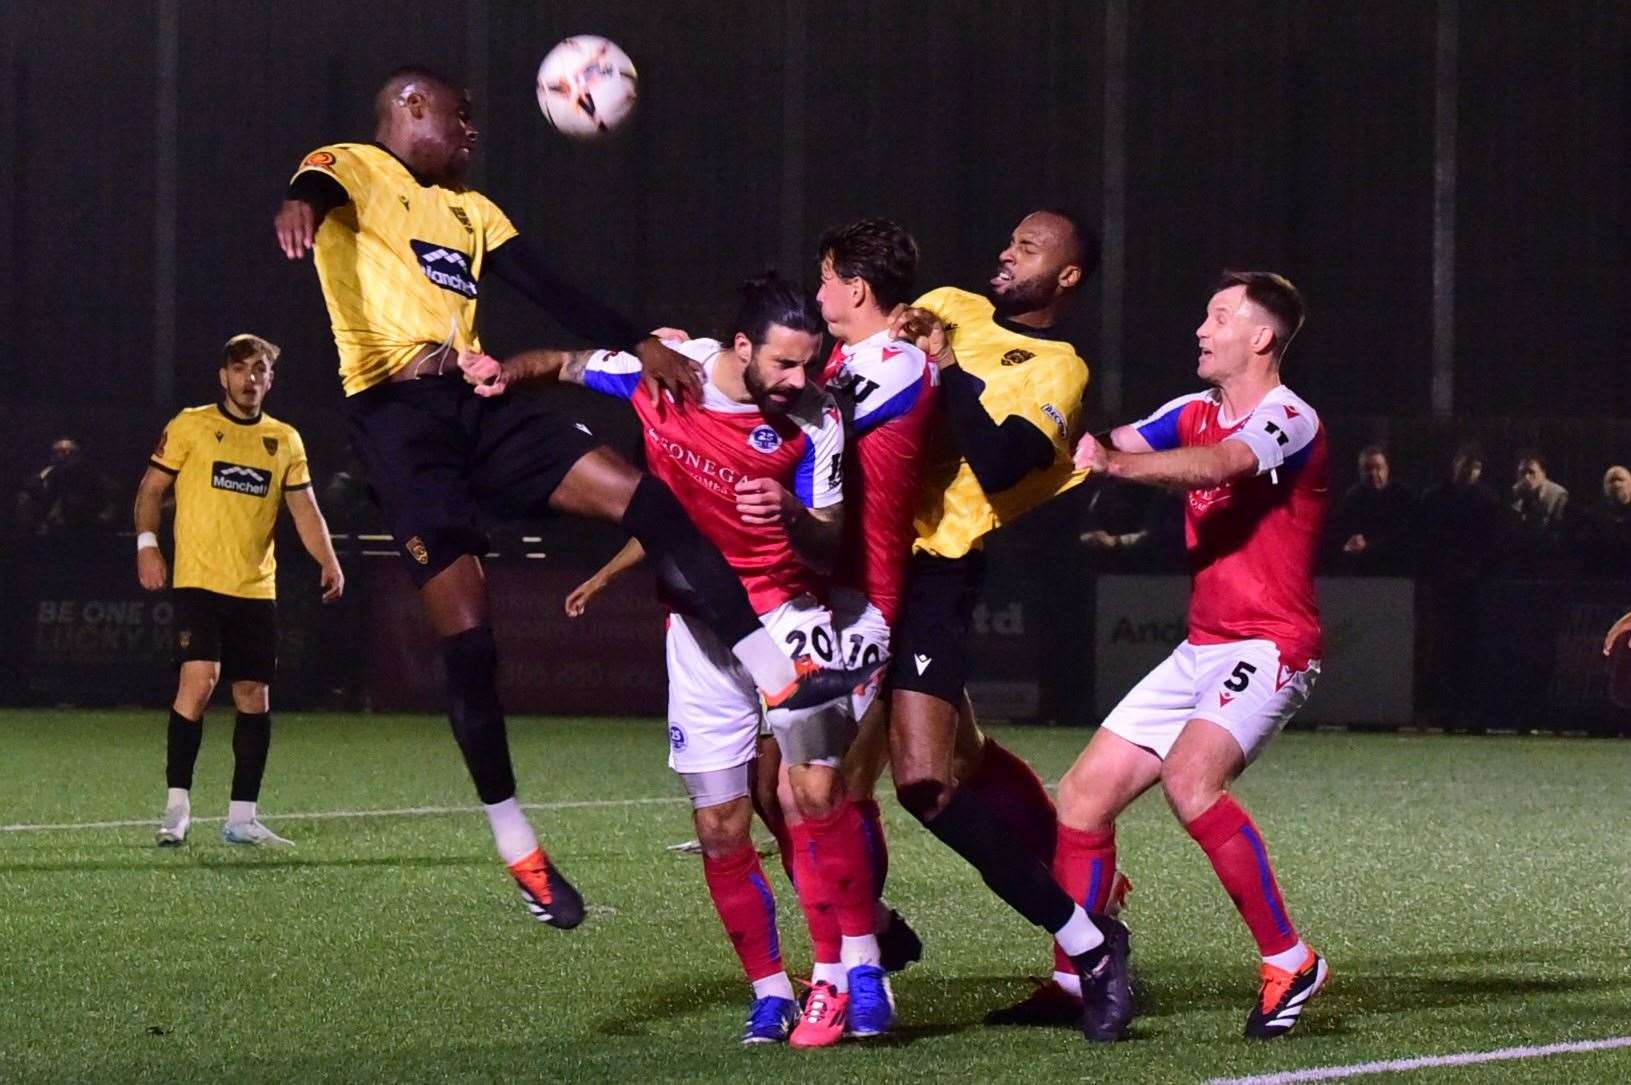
pixel 714 714
pixel 863 638
pixel 1242 686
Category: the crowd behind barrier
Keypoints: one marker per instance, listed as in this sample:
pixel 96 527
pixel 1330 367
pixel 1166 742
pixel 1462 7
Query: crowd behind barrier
pixel 1470 603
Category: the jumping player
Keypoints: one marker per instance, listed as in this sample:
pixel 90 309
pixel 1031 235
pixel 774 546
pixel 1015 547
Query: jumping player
pixel 401 247
pixel 1252 456
pixel 760 467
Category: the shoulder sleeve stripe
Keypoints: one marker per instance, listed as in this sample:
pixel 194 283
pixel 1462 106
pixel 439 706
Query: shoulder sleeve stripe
pixel 893 407
pixel 612 373
pixel 804 475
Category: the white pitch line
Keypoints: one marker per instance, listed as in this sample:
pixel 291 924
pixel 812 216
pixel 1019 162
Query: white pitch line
pixel 324 815
pixel 1390 1066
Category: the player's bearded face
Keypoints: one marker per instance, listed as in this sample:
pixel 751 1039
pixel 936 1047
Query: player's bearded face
pixel 776 373
pixel 1031 270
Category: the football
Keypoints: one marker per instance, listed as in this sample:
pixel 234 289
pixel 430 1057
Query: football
pixel 586 86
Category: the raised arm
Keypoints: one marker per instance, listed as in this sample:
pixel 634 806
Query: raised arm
pixel 530 367
pixel 999 453
pixel 314 536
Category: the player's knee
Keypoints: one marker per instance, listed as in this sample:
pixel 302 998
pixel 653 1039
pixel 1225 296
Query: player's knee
pixel 472 662
pixel 723 830
pixel 252 697
pixel 817 790
pixel 923 799
pixel 1189 789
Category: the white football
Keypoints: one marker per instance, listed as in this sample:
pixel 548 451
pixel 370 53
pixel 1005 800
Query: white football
pixel 586 86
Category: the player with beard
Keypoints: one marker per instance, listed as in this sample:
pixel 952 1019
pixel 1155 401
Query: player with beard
pixel 760 468
pixel 1013 391
pixel 401 247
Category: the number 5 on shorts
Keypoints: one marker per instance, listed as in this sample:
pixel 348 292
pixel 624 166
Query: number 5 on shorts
pixel 1240 677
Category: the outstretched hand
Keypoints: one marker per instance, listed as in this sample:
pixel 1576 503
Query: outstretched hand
pixel 1091 455
pixel 925 331
pixel 485 372
pixel 666 370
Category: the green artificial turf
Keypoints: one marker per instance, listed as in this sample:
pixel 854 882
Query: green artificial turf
pixel 1470 893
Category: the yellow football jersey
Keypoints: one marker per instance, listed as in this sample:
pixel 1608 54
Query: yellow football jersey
pixel 401 263
pixel 231 476
pixel 1038 379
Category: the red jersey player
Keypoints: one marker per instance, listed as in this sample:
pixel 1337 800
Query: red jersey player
pixel 759 467
pixel 1252 456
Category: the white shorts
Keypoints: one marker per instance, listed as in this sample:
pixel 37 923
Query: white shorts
pixel 863 638
pixel 714 712
pixel 1243 687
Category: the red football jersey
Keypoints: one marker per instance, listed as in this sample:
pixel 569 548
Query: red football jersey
pixel 1252 542
pixel 702 453
pixel 895 390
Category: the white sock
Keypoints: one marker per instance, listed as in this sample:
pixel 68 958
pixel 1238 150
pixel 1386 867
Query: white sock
pixel 512 832
pixel 1292 959
pixel 1070 982
pixel 765 660
pixel 776 986
pixel 830 972
pixel 240 813
pixel 177 796
pixel 858 950
pixel 1078 935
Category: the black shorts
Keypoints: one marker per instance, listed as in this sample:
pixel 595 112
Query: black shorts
pixel 240 634
pixel 438 455
pixel 930 650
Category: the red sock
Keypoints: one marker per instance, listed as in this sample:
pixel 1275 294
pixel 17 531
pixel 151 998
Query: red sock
pixel 826 940
pixel 747 907
pixel 838 844
pixel 877 843
pixel 1231 840
pixel 1011 789
pixel 1084 865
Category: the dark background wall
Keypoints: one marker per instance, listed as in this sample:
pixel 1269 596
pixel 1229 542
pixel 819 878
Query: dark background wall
pixel 1267 133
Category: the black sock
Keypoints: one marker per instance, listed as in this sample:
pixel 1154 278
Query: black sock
pixel 473 708
pixel 181 750
pixel 1020 879
pixel 691 568
pixel 251 739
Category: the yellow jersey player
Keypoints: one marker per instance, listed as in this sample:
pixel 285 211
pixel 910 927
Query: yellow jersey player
pixel 232 466
pixel 403 249
pixel 1013 391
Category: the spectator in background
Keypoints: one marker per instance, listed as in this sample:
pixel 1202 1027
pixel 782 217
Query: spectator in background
pixel 1460 522
pixel 1135 528
pixel 68 498
pixel 1537 502
pixel 1460 529
pixel 1535 514
pixel 1602 534
pixel 1374 523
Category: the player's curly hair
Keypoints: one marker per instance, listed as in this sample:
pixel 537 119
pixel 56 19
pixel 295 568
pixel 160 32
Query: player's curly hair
pixel 770 299
pixel 877 251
